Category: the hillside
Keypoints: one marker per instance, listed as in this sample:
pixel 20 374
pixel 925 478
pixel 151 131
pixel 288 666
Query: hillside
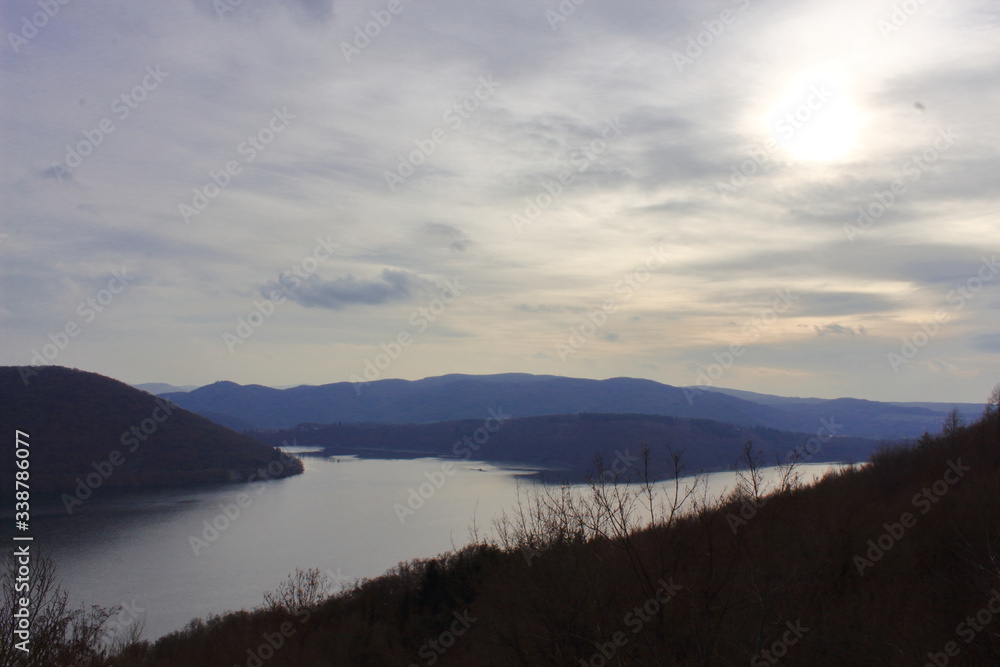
pixel 893 563
pixel 453 397
pixel 84 426
pixel 569 443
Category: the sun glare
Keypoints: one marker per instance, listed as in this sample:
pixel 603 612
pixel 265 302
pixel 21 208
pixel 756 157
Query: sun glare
pixel 816 120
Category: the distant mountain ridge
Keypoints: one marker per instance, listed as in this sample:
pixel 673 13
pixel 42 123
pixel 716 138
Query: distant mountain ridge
pixel 971 411
pixel 163 387
pixel 456 396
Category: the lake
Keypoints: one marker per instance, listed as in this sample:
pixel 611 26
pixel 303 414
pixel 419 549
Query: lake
pixel 190 552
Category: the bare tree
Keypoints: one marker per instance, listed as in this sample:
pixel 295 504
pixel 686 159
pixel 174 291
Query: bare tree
pixel 540 518
pixel 788 472
pixel 993 402
pixel 992 412
pixel 679 501
pixel 953 423
pixel 60 635
pixel 749 469
pixel 303 590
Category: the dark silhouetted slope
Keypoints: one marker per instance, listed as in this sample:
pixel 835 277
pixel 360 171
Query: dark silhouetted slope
pixel 82 423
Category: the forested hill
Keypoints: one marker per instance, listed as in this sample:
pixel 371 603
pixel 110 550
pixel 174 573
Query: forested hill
pixel 85 427
pixel 569 444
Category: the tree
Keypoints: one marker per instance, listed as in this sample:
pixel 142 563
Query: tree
pixel 993 402
pixel 953 423
pixel 303 590
pixel 992 411
pixel 749 469
pixel 59 635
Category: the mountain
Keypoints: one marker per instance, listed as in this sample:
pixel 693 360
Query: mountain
pixel 569 443
pixel 85 430
pixel 971 411
pixel 163 387
pixel 451 397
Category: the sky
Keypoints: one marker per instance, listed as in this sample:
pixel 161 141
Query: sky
pixel 791 198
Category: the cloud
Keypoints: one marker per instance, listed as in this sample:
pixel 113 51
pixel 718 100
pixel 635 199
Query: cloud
pixel 391 286
pixel 839 330
pixel 989 342
pixel 452 236
pixel 937 366
pixel 548 308
pixel 657 184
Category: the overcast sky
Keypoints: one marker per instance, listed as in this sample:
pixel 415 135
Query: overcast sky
pixel 667 190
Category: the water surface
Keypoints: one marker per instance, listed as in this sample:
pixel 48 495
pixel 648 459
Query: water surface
pixel 339 516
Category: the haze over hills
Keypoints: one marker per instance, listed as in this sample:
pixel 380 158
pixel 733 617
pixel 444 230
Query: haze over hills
pixel 85 426
pixel 451 397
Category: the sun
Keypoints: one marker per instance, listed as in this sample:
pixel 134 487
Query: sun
pixel 817 120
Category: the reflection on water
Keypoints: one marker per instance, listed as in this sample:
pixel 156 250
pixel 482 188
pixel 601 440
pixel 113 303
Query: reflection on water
pixel 191 552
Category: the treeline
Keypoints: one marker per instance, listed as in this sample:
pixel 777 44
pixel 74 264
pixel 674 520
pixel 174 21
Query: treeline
pixel 895 562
